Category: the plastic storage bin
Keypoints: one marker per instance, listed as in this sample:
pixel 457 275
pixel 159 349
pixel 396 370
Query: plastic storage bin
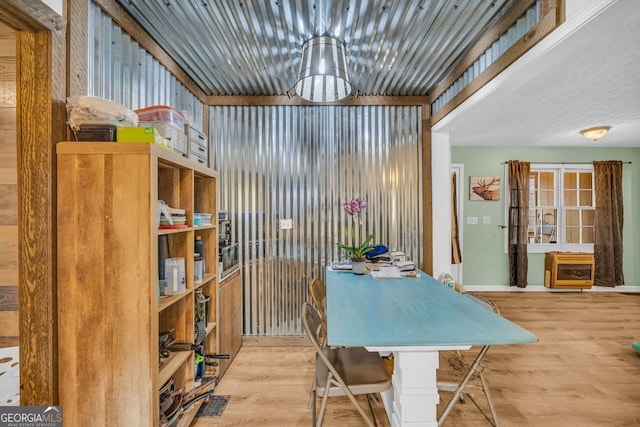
pixel 95 132
pixel 166 130
pixel 161 113
pixel 169 123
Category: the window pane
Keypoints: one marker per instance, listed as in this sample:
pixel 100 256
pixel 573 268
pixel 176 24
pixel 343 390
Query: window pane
pixel 573 208
pixel 536 224
pixel 547 181
pixel 547 198
pixel 548 223
pixel 570 198
pixel 586 180
pixel 572 218
pixel 588 217
pixel 586 198
pixel 570 180
pixel 572 234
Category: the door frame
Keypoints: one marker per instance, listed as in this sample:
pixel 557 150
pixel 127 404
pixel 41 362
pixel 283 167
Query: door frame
pixel 41 123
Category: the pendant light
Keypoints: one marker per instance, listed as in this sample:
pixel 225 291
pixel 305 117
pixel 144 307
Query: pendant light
pixel 323 75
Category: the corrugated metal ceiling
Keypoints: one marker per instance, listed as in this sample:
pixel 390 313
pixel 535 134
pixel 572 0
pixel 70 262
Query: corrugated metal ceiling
pixel 252 47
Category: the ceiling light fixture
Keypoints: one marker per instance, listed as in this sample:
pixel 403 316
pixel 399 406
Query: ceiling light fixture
pixel 595 133
pixel 323 73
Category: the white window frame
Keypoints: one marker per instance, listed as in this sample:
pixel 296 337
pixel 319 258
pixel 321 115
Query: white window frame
pixel 559 169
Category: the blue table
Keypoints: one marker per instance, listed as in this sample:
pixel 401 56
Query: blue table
pixel 414 318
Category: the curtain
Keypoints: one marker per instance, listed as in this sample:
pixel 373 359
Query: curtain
pixel 456 255
pixel 607 248
pixel 518 222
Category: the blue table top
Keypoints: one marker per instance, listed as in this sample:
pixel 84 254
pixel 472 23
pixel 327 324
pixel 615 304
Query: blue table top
pixel 363 311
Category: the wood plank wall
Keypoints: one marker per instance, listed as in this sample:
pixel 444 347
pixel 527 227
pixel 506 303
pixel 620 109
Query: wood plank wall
pixel 8 191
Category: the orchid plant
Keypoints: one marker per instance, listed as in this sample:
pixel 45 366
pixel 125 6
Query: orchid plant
pixel 355 209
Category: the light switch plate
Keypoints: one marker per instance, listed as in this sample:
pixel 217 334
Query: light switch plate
pixel 486 220
pixel 286 224
pixel 472 220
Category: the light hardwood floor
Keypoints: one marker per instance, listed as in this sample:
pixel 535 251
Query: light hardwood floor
pixel 582 372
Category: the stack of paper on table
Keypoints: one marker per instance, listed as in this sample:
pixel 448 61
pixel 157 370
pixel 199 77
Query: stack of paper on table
pixel 386 273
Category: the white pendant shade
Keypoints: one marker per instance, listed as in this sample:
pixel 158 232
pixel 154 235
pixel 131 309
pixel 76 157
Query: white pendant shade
pixel 323 73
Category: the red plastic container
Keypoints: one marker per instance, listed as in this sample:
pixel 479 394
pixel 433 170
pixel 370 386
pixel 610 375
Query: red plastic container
pixel 161 113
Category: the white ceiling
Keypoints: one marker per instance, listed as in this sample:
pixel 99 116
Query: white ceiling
pixel 585 74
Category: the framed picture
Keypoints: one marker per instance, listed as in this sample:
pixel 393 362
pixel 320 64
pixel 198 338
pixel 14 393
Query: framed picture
pixel 484 188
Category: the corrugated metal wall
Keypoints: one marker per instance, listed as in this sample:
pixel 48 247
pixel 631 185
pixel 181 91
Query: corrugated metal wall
pixel 123 72
pixel 302 163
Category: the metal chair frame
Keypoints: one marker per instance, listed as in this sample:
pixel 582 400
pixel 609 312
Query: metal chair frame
pixel 342 372
pixel 475 368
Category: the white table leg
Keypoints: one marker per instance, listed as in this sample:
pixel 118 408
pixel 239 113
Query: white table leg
pixel 412 400
pixel 415 394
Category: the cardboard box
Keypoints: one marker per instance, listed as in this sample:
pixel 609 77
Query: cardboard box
pixel 142 134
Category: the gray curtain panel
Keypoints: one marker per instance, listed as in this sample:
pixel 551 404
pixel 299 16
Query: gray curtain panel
pixel 518 222
pixel 607 248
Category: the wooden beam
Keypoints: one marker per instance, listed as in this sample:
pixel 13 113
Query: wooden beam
pixel 556 7
pixel 510 18
pixel 40 104
pixel 427 193
pixel 131 27
pixel 297 101
pixel 29 15
pixel 546 25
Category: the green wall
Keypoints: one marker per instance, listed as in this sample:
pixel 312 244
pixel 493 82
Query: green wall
pixel 484 259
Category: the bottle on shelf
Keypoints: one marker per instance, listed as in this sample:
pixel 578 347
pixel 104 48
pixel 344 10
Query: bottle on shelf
pixel 199 249
pixel 175 276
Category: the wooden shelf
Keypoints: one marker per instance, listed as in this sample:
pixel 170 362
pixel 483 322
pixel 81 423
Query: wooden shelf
pixel 205 227
pixel 168 300
pixel 205 280
pixel 108 238
pixel 211 326
pixel 172 364
pixel 165 231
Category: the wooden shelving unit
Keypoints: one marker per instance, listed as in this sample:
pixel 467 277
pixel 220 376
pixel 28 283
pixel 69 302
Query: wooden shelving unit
pixel 109 313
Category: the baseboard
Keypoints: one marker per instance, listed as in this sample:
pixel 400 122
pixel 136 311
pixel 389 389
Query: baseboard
pixel 541 288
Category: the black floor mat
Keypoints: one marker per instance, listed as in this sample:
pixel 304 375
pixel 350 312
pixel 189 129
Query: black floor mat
pixel 214 408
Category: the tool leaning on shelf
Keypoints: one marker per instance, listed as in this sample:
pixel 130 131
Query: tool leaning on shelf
pixel 174 402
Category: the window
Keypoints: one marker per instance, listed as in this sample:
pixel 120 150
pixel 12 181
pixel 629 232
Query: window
pixel 561 208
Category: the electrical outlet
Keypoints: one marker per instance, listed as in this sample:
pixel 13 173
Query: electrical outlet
pixel 286 224
pixel 472 220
